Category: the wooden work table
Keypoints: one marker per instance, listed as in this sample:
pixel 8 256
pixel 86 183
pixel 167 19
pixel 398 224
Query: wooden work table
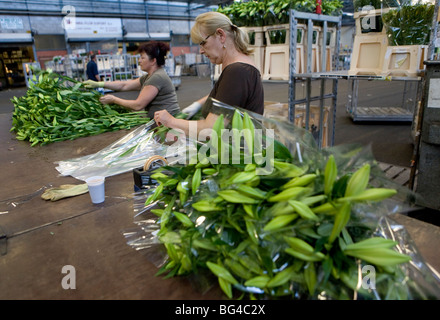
pixel 41 237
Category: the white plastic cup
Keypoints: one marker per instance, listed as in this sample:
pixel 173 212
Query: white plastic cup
pixel 96 188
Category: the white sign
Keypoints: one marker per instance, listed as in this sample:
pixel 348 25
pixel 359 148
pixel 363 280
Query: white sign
pixel 11 23
pixel 434 93
pixel 94 28
pixel 69 21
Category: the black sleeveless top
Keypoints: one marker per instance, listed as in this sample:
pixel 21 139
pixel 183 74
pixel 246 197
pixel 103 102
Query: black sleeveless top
pixel 239 85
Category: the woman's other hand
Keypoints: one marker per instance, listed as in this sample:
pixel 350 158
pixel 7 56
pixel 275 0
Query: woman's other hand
pixel 107 99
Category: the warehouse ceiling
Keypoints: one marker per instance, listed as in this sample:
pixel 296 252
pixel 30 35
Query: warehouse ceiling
pixel 212 2
pixel 348 4
pixel 205 3
pixel 347 18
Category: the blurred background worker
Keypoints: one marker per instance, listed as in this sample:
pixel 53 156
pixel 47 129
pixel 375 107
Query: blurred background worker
pixel 239 83
pixel 92 69
pixel 157 92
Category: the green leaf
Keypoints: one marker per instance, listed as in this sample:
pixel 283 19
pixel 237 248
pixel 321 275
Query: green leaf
pixel 221 272
pixel 383 257
pixel 341 220
pixel 236 197
pixel 226 287
pixel 197 178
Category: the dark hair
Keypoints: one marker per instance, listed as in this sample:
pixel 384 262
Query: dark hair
pixel 93 56
pixel 155 49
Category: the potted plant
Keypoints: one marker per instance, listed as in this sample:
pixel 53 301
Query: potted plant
pixel 272 12
pixel 408 29
pixel 332 7
pixel 267 23
pixel 409 25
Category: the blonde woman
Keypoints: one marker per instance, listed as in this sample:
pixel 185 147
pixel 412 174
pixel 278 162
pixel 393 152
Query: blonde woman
pixel 239 83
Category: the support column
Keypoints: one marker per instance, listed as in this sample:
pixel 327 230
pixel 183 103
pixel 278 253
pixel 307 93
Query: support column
pixel 428 178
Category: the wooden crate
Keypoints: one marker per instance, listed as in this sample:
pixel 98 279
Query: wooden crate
pixel 316 56
pixel 277 59
pixel 276 54
pixel 256 35
pixel 258 44
pixel 217 71
pixel 281 31
pixel 276 62
pixel 329 49
pixel 405 61
pixel 314 114
pixel 368 55
pixel 276 110
pixel 280 111
pixel 258 57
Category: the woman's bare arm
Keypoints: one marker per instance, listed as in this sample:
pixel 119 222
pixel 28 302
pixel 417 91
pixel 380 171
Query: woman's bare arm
pixel 189 127
pixel 128 85
pixel 147 94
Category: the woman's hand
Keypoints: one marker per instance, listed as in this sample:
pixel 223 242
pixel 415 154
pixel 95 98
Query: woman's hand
pixel 90 84
pixel 107 99
pixel 163 117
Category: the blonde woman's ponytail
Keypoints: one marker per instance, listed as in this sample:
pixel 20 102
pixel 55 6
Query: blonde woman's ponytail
pixel 241 40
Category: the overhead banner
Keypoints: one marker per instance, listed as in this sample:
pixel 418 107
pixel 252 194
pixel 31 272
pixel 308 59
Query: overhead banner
pixel 25 37
pixel 144 36
pixel 78 28
pixel 14 30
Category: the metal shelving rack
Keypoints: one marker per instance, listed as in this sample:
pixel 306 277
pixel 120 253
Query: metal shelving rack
pixel 397 110
pixel 28 72
pixel 405 112
pixel 307 77
pixel 411 93
pixel 105 67
pixel 133 62
pixel 123 66
pixel 118 67
pixel 413 86
pixel 75 67
pixel 56 65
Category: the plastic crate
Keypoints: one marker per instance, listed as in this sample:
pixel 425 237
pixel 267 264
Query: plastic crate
pixel 276 62
pixel 370 43
pixel 406 61
pixel 368 55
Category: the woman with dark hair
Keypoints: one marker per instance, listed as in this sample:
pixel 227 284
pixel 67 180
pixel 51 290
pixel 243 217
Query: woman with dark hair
pixel 157 91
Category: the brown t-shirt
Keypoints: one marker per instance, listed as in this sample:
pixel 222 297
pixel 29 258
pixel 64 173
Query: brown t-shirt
pixel 166 97
pixel 239 85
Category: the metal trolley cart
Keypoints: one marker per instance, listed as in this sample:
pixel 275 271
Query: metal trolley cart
pixel 28 72
pixel 396 108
